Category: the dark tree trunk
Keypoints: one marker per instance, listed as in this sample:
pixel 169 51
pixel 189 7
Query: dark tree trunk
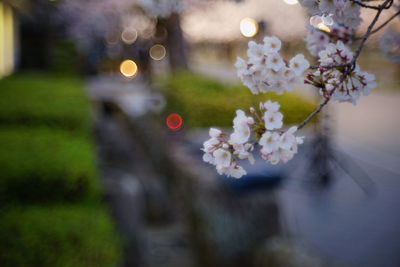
pixel 175 42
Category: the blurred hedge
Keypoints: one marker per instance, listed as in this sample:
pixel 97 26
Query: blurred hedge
pixel 57 236
pixel 45 165
pixel 204 102
pixel 64 58
pixel 47 158
pixel 34 98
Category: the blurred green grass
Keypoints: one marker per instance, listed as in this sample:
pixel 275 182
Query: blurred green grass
pixel 57 236
pixel 204 102
pixel 51 100
pixel 42 164
pixel 47 160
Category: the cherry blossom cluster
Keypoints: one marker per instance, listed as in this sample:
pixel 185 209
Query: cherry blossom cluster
pixel 330 80
pixel 277 146
pixel 265 70
pixel 317 40
pixel 224 151
pixel 344 12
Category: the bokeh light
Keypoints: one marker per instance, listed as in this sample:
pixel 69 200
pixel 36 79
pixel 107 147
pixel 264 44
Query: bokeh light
pixel 129 35
pixel 315 20
pixel 319 22
pixel 291 2
pixel 248 27
pixel 128 68
pixel 157 52
pixel 323 27
pixel 174 121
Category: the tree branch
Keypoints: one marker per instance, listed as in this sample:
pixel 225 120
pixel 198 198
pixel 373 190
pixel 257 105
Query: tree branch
pixel 382 25
pixel 352 64
pixel 364 5
pixel 330 66
pixel 379 7
pixel 385 23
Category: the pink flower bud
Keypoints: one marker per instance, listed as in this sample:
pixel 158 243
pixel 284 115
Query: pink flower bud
pixel 250 121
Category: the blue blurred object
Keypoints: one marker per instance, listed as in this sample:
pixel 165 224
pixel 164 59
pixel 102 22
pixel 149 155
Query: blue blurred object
pixel 260 176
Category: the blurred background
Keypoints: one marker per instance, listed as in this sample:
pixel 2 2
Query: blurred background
pixel 105 104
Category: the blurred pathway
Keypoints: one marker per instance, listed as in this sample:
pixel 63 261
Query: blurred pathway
pixel 132 187
pixel 343 223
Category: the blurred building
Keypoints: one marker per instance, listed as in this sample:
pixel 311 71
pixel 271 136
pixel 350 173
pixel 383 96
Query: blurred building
pixel 8 36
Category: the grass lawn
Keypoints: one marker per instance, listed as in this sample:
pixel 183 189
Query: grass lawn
pixel 203 102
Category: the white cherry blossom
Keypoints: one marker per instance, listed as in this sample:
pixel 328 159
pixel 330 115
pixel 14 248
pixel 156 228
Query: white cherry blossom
pixel 317 40
pixel 289 75
pixel 210 144
pixel 337 77
pixel 209 158
pixel 354 85
pixel 343 12
pixel 287 139
pixel 299 64
pixel 222 157
pixel 266 71
pixel 271 106
pixel 273 120
pixel 275 145
pixel 274 61
pixel 234 171
pixel 241 128
pixel 281 155
pixel 269 142
pixel 215 133
pixel 243 151
pixel 272 44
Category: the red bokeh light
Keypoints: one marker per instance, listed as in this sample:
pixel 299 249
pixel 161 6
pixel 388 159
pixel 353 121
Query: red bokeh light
pixel 174 121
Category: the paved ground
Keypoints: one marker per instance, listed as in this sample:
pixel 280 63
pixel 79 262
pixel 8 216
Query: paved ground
pixel 344 223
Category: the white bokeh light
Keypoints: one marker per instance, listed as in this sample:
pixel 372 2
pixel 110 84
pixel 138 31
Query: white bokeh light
pixel 291 2
pixel 248 27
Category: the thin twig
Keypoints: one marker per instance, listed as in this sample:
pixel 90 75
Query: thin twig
pixel 312 115
pixel 330 66
pixel 364 5
pixel 379 7
pixel 383 24
pixel 352 64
